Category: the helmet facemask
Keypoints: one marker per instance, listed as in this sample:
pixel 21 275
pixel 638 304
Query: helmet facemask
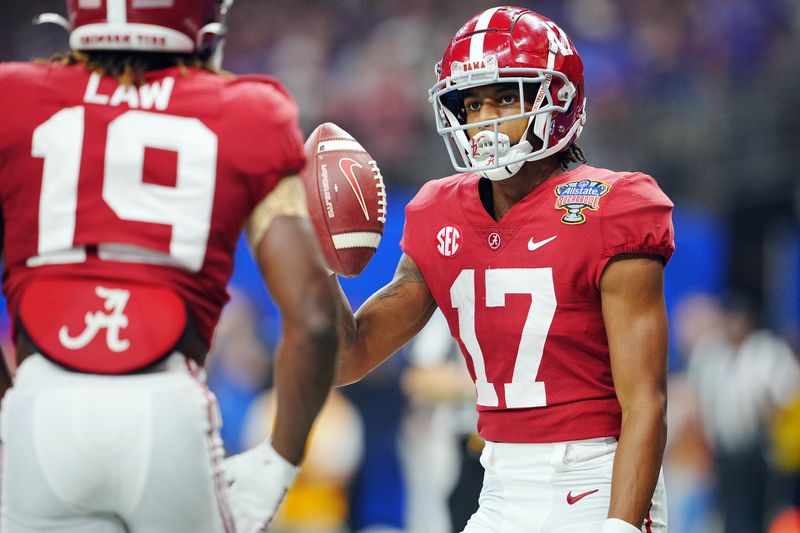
pixel 489 151
pixel 211 37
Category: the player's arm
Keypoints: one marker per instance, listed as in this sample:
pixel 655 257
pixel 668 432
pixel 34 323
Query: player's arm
pixel 301 288
pixel 290 260
pixel 291 264
pixel 632 293
pixel 387 321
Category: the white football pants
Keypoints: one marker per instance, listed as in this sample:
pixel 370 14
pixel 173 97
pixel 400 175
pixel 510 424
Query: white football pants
pixel 111 454
pixel 561 487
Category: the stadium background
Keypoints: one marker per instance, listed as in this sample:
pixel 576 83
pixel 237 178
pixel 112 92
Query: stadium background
pixel 701 94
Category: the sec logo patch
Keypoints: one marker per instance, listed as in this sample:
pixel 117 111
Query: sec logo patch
pixel 448 241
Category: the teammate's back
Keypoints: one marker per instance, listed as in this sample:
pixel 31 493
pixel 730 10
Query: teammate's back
pixel 129 166
pixel 149 181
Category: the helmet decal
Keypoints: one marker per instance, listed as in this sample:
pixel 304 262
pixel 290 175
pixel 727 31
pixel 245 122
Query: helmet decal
pixel 478 37
pixel 116 11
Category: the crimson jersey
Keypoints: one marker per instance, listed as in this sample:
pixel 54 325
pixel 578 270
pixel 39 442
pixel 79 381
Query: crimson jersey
pixel 522 298
pixel 144 184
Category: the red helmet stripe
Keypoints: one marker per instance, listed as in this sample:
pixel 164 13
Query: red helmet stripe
pixel 116 11
pixel 476 41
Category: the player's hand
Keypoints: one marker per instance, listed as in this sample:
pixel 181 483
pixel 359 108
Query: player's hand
pixel 258 480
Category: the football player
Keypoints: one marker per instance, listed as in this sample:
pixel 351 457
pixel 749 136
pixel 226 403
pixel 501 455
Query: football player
pixel 128 168
pixel 550 276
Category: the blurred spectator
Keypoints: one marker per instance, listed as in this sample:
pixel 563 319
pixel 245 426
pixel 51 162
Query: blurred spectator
pixel 667 75
pixel 786 439
pixel 740 376
pixel 787 521
pixel 377 492
pixel 439 419
pixel 238 366
pixel 688 464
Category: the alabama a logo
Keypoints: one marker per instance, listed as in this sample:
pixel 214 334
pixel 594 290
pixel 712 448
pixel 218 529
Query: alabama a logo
pixel 112 322
pixel 575 196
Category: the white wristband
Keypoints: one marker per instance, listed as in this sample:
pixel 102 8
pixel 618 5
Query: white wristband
pixel 286 471
pixel 615 525
pixel 258 480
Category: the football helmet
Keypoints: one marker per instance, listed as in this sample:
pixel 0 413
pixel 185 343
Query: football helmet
pixel 183 26
pixel 515 46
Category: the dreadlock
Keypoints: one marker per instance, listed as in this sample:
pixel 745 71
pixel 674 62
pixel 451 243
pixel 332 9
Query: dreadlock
pixel 573 154
pixel 129 67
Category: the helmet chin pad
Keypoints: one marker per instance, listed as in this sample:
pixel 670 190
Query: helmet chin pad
pixel 492 155
pixel 494 158
pixel 487 145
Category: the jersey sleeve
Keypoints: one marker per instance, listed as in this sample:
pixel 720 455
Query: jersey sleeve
pixel 269 132
pixel 424 196
pixel 7 105
pixel 636 219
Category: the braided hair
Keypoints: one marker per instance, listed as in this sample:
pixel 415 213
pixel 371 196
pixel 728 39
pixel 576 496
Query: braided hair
pixel 129 67
pixel 572 155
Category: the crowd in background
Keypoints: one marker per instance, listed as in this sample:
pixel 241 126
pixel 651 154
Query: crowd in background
pixel 697 92
pixel 702 94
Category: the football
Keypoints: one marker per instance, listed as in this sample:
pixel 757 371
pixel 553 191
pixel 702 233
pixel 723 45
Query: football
pixel 346 198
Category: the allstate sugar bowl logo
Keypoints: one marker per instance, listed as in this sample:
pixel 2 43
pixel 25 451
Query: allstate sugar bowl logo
pixel 575 196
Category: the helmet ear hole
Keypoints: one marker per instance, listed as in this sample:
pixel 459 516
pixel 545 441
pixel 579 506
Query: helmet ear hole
pixel 566 92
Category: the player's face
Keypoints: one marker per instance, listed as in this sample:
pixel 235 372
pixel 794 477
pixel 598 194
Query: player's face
pixel 490 102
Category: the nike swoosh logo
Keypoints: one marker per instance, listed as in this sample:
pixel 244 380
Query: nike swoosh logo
pixel 572 499
pixel 536 245
pixel 346 166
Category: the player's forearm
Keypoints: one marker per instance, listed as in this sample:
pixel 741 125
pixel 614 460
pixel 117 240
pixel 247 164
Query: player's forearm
pixel 303 375
pixel 638 461
pixel 383 325
pixel 348 361
pixel 363 344
pixel 366 338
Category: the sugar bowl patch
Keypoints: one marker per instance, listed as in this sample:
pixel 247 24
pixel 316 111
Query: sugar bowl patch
pixel 575 196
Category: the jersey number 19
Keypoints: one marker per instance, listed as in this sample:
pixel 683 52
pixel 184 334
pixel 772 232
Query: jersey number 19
pixel 186 207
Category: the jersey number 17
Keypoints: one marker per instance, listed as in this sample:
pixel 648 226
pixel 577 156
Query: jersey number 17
pixel 524 390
